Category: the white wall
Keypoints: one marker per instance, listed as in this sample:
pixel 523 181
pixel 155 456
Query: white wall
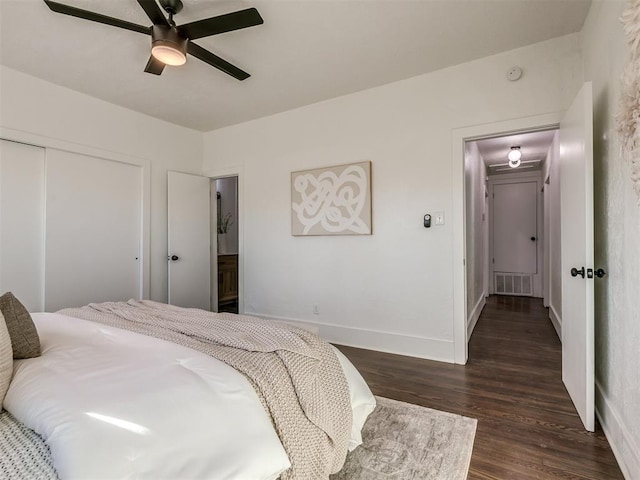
pixel 42 112
pixel 392 290
pixel 475 174
pixel 617 241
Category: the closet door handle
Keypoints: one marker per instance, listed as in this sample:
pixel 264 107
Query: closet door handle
pixel 173 257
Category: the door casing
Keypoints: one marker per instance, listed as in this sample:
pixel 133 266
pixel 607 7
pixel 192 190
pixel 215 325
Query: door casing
pixel 458 138
pixel 235 171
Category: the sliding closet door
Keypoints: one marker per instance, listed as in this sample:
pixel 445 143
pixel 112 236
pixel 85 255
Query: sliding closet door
pixel 22 222
pixel 93 230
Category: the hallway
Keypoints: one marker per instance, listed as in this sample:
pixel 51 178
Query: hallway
pixel 512 383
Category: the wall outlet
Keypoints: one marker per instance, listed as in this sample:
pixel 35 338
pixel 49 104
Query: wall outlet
pixel 316 310
pixel 439 218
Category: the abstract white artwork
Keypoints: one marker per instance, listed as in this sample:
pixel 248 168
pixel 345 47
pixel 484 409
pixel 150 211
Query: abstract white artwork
pixel 628 116
pixel 332 200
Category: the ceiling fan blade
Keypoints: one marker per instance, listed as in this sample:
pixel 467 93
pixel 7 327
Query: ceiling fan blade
pixel 154 66
pixel 215 61
pixel 154 12
pixel 221 24
pixel 96 17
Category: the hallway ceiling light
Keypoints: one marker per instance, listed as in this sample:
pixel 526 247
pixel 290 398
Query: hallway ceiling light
pixel 514 157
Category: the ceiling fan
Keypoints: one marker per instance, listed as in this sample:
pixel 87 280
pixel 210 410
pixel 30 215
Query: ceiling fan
pixel 170 43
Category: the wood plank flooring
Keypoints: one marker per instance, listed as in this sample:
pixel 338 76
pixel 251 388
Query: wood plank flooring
pixel 527 425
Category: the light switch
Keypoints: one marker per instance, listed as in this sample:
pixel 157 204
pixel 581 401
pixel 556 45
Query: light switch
pixel 439 218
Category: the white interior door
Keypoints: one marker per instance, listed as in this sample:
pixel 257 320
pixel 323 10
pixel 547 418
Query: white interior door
pixel 515 227
pixel 93 230
pixel 22 223
pixel 576 200
pixel 189 230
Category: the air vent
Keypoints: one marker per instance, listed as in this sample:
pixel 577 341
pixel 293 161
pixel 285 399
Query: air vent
pixel 513 284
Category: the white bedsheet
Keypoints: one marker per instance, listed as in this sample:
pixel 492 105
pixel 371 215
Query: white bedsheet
pixel 362 400
pixel 115 404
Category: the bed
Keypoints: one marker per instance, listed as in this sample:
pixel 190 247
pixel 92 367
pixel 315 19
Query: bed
pixel 147 390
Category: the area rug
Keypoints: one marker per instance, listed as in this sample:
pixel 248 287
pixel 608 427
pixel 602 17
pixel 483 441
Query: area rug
pixel 409 442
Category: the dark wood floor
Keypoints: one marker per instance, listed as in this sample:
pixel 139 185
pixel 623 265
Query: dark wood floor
pixel 527 425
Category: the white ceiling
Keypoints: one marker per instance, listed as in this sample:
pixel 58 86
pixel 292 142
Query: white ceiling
pixel 533 146
pixel 306 51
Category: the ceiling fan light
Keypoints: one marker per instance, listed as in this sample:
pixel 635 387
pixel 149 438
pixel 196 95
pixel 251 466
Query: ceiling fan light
pixel 514 154
pixel 168 55
pixel 168 46
pixel 514 163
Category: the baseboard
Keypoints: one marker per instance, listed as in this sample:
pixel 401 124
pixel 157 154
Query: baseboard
pixel 556 320
pixel 410 345
pixel 475 315
pixel 622 442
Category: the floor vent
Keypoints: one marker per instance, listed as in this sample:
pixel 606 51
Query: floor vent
pixel 513 284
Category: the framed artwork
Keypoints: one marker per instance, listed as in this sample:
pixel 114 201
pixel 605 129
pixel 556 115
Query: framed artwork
pixel 332 200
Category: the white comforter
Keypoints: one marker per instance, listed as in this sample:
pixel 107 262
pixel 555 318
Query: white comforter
pixel 114 404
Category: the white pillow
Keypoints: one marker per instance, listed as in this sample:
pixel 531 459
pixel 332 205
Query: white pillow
pixel 6 359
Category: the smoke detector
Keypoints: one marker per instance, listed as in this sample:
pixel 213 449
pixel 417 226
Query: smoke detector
pixel 514 73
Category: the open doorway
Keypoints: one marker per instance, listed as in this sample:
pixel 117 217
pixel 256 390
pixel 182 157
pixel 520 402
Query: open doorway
pixel 228 246
pixel 573 180
pixel 512 219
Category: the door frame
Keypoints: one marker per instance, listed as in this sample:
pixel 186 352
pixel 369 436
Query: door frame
pixel 458 138
pixel 215 174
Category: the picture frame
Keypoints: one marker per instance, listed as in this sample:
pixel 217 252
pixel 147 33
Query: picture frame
pixel 333 200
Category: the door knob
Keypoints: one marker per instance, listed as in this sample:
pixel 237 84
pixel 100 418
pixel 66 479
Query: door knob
pixel 575 272
pixel 533 239
pixel 173 257
pixel 600 273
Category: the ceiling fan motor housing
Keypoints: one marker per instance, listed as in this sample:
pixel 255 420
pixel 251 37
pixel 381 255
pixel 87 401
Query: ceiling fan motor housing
pixel 165 37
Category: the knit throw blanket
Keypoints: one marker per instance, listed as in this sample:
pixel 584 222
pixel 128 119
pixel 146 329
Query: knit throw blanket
pixel 296 374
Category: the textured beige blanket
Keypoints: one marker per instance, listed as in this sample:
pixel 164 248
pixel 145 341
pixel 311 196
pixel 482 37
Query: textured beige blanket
pixel 296 374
